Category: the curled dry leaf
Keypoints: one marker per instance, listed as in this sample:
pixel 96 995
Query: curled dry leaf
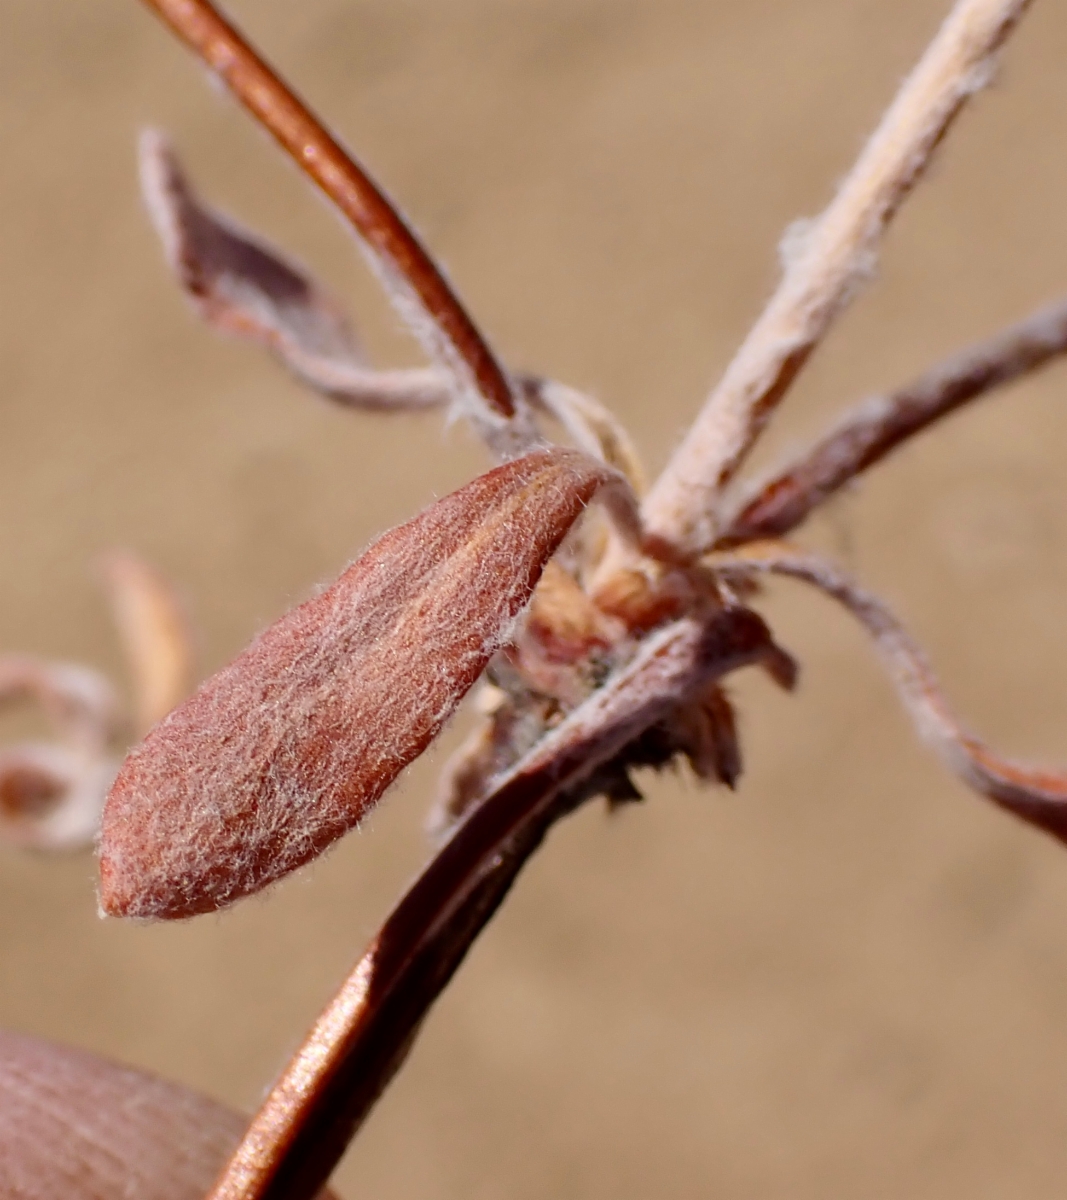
pixel 1036 795
pixel 707 734
pixel 288 747
pixel 79 701
pixel 78 1127
pixel 243 286
pixel 154 634
pixel 51 794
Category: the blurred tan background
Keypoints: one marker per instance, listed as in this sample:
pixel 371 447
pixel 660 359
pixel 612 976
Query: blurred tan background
pixel 848 980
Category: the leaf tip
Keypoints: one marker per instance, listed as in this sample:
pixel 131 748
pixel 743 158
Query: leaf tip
pixel 286 749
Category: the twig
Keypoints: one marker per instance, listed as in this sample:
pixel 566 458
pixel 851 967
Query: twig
pixel 415 283
pixel 361 1039
pixel 878 426
pixel 1037 796
pixel 825 266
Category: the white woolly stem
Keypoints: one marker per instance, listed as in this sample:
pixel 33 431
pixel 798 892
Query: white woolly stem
pixel 826 265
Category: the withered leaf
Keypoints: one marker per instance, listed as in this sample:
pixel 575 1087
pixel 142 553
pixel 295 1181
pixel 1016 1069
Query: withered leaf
pixel 51 793
pixel 242 286
pixel 77 1126
pixel 287 748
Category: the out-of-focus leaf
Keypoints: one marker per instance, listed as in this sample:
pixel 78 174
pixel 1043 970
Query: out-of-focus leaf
pixel 51 796
pixel 154 634
pixel 52 793
pixel 76 1127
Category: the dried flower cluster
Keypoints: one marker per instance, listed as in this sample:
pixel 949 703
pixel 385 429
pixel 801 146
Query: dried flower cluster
pixel 603 616
pixel 52 793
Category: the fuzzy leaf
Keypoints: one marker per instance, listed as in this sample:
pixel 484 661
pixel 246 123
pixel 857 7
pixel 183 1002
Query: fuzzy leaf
pixel 289 746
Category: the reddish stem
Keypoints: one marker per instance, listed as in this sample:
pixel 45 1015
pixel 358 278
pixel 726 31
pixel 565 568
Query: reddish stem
pixel 292 124
pixel 878 426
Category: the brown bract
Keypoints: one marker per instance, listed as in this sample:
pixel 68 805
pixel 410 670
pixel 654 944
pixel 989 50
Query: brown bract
pixel 287 748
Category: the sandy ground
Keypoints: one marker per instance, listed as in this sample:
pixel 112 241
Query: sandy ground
pixel 848 980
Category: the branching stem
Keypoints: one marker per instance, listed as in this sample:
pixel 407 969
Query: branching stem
pixel 826 264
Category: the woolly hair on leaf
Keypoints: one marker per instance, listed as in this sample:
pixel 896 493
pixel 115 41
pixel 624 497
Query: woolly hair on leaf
pixel 288 747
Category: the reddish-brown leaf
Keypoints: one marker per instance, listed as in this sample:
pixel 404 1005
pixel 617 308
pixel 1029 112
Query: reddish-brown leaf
pixel 76 1126
pixel 287 748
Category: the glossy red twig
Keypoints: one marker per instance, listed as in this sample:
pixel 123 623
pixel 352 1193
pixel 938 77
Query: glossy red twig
pixel 452 335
